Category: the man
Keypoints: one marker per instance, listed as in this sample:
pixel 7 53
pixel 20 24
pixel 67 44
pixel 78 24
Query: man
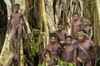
pixel 76 25
pixel 84 47
pixel 34 46
pixel 16 27
pixel 87 28
pixel 53 49
pixel 69 51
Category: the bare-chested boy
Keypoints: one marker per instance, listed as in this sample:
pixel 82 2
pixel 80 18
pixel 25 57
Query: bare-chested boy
pixel 16 17
pixel 69 50
pixel 87 28
pixel 61 35
pixel 76 25
pixel 84 47
pixel 53 49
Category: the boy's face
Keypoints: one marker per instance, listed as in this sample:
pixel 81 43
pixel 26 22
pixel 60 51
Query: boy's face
pixel 80 37
pixel 59 28
pixel 68 41
pixel 53 40
pixel 85 23
pixel 36 32
pixel 16 8
pixel 76 17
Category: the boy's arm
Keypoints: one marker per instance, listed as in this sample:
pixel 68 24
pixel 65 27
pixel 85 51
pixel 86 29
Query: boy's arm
pixel 28 46
pixel 81 25
pixel 23 19
pixel 72 30
pixel 75 53
pixel 41 44
pixel 24 23
pixel 64 54
pixel 91 32
pixel 94 50
pixel 44 53
pixel 9 23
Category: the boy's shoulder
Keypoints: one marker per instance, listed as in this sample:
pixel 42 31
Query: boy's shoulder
pixel 19 14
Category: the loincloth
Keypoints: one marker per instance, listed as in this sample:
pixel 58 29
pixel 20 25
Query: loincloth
pixel 18 26
pixel 64 63
pixel 61 43
pixel 70 63
pixel 80 60
pixel 54 61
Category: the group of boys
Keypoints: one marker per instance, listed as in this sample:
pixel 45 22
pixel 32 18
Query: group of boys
pixel 74 48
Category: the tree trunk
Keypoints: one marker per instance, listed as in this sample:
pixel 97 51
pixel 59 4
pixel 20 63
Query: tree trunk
pixel 47 14
pixel 6 55
pixel 97 23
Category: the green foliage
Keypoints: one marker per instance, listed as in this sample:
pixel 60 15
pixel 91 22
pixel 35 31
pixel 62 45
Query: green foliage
pixel 84 34
pixel 34 47
pixel 62 63
pixel 99 59
pixel 24 47
pixel 44 64
pixel 25 59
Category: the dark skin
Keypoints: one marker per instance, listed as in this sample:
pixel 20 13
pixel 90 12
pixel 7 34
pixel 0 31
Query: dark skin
pixel 53 49
pixel 36 34
pixel 16 17
pixel 76 25
pixel 69 51
pixel 87 45
pixel 61 34
pixel 88 29
pixel 28 47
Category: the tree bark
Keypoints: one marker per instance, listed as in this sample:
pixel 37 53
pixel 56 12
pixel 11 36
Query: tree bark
pixel 6 55
pixel 97 23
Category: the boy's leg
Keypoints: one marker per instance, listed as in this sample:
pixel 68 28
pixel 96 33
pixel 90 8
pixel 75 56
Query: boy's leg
pixel 19 40
pixel 13 32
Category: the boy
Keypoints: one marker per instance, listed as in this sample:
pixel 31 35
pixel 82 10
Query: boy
pixel 61 35
pixel 69 51
pixel 87 28
pixel 16 17
pixel 53 49
pixel 84 46
pixel 76 25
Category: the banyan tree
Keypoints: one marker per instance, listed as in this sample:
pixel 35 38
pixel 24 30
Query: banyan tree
pixel 46 14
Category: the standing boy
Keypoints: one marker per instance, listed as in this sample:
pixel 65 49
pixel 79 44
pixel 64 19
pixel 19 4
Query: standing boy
pixel 16 17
